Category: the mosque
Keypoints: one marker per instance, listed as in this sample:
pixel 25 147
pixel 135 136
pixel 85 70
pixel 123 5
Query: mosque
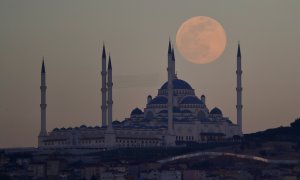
pixel 174 117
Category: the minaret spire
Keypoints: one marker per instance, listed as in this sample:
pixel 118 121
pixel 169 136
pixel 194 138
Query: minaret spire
pixel 170 47
pixel 239 50
pixel 173 64
pixel 239 89
pixel 103 51
pixel 43 105
pixel 110 100
pixel 109 62
pixel 43 67
pixel 104 89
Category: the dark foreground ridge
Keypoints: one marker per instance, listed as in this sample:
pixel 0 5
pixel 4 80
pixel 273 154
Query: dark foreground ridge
pixel 212 160
pixel 273 153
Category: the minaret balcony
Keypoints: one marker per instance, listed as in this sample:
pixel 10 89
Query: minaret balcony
pixel 239 88
pixel 43 106
pixel 43 88
pixel 239 106
pixel 239 72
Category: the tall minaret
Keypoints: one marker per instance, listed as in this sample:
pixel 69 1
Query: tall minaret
pixel 109 135
pixel 170 90
pixel 43 104
pixel 110 100
pixel 103 89
pixel 239 89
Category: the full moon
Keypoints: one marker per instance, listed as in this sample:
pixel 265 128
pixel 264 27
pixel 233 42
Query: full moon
pixel 201 39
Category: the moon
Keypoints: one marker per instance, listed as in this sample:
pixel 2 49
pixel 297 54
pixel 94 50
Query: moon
pixel 201 39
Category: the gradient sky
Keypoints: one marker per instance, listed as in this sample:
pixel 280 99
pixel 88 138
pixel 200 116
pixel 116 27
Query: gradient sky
pixel 70 34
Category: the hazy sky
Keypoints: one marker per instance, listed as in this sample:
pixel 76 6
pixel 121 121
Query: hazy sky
pixel 70 33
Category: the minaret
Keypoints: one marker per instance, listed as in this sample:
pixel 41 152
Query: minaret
pixel 109 136
pixel 110 100
pixel 239 89
pixel 43 105
pixel 170 90
pixel 103 89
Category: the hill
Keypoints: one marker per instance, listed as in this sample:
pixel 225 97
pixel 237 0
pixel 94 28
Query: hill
pixel 287 134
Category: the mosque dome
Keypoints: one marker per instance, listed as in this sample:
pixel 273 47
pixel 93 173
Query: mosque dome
pixel 159 100
pixel 136 111
pixel 115 123
pixel 177 84
pixel 191 100
pixel 216 111
pixel 83 126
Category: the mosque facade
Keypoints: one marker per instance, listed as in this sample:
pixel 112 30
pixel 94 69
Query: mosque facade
pixel 174 117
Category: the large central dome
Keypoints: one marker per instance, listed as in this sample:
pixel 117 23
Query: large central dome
pixel 177 84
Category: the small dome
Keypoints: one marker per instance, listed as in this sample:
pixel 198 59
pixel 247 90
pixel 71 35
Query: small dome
pixel 159 100
pixel 202 96
pixel 177 84
pixel 216 111
pixel 83 126
pixel 191 100
pixel 114 123
pixel 230 122
pixel 136 111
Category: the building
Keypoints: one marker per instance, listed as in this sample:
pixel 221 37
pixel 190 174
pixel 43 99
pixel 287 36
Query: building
pixel 192 174
pixel 170 175
pixel 175 116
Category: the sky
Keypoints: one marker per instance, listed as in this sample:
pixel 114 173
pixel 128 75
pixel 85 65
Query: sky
pixel 70 34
